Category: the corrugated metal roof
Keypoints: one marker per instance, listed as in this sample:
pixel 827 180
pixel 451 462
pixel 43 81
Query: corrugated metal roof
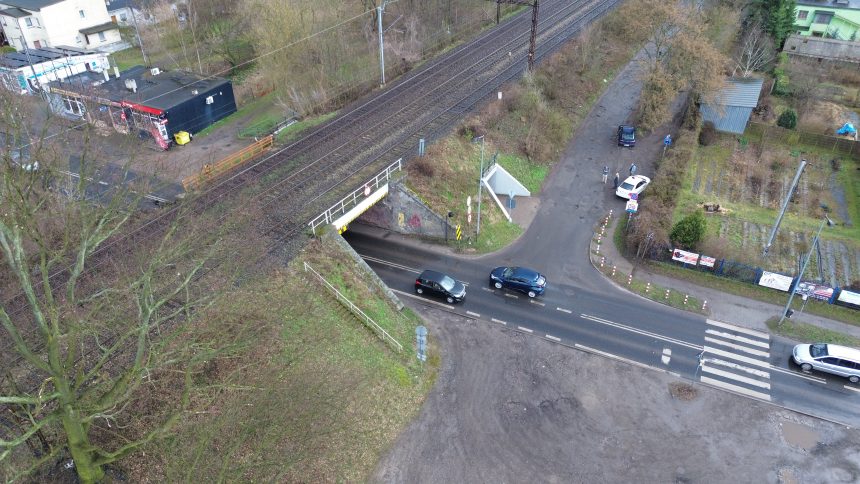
pixel 740 92
pixel 733 120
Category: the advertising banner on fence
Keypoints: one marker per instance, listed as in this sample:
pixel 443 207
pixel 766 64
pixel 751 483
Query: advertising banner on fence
pixel 684 256
pixel 775 281
pixel 848 298
pixel 813 290
pixel 707 261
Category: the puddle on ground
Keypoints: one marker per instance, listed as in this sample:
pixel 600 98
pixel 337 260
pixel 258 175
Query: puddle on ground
pixel 799 435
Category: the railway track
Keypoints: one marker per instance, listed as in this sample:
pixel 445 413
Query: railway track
pixel 292 184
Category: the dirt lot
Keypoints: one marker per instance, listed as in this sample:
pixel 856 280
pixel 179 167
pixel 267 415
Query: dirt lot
pixel 510 407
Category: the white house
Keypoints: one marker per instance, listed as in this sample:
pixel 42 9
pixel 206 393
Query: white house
pixel 124 12
pixel 34 24
pixel 28 71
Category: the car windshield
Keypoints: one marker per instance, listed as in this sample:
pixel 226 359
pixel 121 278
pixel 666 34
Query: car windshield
pixel 627 186
pixel 627 135
pixel 447 283
pixel 818 351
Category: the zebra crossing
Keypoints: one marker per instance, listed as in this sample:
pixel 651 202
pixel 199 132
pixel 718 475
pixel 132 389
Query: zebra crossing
pixel 736 359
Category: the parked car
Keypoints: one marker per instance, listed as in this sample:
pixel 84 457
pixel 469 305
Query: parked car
pixel 835 359
pixel 528 281
pixel 440 285
pixel 626 136
pixel 632 184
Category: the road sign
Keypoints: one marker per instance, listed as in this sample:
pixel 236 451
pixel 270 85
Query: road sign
pixel 459 232
pixel 632 206
pixel 634 196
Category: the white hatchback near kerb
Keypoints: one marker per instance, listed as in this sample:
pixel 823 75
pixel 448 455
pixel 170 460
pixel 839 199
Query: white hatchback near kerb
pixel 632 184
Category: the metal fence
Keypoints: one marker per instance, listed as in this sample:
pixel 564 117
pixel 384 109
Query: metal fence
pixel 367 320
pixel 764 134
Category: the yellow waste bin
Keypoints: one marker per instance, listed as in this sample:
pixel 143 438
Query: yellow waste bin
pixel 182 137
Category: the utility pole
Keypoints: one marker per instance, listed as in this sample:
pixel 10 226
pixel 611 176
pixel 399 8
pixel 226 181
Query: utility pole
pixel 379 11
pixel 480 186
pixel 137 34
pixel 533 36
pixel 784 206
pixel 803 269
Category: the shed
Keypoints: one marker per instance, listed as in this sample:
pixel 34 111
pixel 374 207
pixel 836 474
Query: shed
pixel 731 109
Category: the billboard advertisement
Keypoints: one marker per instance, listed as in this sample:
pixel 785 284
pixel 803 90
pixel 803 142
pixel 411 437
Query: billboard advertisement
pixel 684 256
pixel 775 281
pixel 848 298
pixel 813 290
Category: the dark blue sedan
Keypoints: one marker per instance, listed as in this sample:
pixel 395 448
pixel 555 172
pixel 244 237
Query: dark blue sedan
pixel 522 279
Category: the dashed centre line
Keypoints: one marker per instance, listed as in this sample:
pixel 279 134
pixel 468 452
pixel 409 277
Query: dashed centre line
pixel 527 330
pixel 568 311
pixel 553 338
pixel 853 389
pixel 498 321
pixel 474 315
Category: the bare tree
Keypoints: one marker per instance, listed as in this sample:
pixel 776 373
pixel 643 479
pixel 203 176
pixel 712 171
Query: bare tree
pixel 81 343
pixel 754 52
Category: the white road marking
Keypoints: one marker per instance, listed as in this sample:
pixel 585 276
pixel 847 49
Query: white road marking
pixel 525 329
pixel 735 366
pixel 499 321
pixel 799 375
pixel 614 357
pixel 389 264
pixel 734 376
pixel 745 349
pixel 754 342
pixel 745 359
pixel 642 332
pixel 423 299
pixel 568 311
pixel 507 294
pixel 739 329
pixel 736 389
pixel 667 355
pixel 536 302
pixel 553 338
pixel 853 389
pixel 488 289
pixel 474 315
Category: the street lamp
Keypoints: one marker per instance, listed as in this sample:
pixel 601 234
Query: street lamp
pixel 803 269
pixel 480 185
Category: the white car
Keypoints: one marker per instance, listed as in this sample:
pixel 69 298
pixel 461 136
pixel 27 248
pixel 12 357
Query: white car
pixel 633 184
pixel 839 360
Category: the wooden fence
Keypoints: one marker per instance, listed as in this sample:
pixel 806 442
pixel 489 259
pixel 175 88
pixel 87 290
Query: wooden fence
pixel 212 171
pixel 765 133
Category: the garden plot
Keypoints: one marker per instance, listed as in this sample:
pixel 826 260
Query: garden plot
pixel 749 183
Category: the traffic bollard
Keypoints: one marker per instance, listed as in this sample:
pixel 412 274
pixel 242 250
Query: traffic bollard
pixel 602 261
pixel 667 294
pixel 629 279
pixel 613 271
pixel 685 299
pixel 704 305
pixel 647 288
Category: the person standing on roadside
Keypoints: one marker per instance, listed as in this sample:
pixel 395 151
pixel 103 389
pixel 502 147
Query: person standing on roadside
pixel 632 168
pixel 615 181
pixel 605 174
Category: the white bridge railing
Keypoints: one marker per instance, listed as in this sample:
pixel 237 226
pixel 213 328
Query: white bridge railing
pixel 356 196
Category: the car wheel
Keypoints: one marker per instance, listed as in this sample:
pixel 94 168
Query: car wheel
pixel 806 367
pixel 450 300
pixel 532 294
pixel 419 290
pixel 497 284
pixel 854 379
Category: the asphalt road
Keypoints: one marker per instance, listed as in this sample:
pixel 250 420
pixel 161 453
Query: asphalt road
pixel 609 321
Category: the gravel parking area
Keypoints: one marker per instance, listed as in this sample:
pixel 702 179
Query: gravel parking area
pixel 512 407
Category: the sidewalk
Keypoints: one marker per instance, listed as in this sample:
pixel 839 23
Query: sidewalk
pixel 724 307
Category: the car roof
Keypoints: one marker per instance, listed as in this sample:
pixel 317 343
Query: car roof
pixel 843 352
pixel 432 275
pixel 525 272
pixel 627 127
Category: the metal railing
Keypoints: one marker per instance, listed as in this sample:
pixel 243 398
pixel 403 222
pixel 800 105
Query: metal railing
pixel 367 320
pixel 356 196
pixel 214 170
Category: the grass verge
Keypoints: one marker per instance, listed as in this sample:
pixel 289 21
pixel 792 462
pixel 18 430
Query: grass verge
pixel 808 333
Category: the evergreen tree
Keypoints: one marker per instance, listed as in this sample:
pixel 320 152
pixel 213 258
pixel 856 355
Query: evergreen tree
pixel 777 17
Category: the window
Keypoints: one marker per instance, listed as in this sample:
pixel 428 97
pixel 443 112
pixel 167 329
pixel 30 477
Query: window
pixel 802 14
pixel 848 364
pixel 830 360
pixel 73 106
pixel 28 21
pixel 822 18
pixel 101 36
pixel 37 44
pixel 123 17
pixel 82 14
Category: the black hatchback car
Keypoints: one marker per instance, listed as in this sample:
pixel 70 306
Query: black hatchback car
pixel 528 281
pixel 626 136
pixel 440 285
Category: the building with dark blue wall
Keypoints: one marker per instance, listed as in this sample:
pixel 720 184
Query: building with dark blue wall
pixel 147 102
